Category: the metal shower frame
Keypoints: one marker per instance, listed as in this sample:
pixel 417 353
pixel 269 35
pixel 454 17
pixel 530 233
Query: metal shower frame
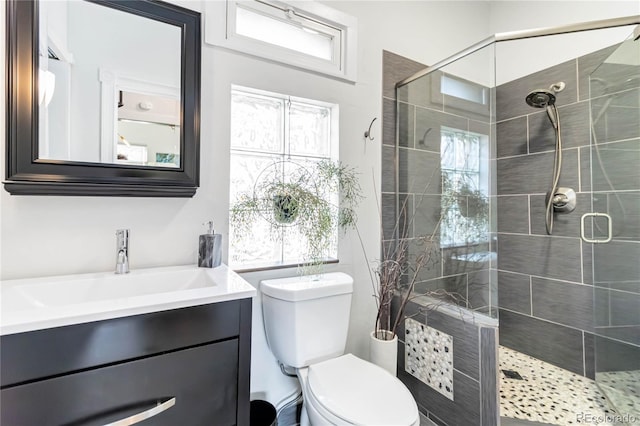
pixel 524 34
pixel 500 37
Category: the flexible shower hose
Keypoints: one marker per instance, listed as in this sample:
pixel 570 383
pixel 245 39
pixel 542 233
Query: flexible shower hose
pixel 554 117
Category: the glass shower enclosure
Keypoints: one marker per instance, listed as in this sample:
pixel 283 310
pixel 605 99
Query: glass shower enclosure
pixel 474 164
pixel 614 224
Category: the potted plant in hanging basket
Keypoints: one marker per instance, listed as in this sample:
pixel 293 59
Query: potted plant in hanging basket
pixel 472 203
pixel 301 200
pixel 285 208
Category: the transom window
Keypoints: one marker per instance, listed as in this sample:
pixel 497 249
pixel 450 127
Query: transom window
pixel 308 35
pixel 275 134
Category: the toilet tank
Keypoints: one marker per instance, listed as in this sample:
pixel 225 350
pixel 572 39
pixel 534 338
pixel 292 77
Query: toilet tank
pixel 306 318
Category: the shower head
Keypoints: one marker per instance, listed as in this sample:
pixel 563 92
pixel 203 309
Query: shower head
pixel 541 98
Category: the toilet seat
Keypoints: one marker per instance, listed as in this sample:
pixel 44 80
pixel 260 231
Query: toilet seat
pixel 349 390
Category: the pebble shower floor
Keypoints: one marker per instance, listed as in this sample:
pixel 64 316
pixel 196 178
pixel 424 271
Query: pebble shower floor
pixel 551 395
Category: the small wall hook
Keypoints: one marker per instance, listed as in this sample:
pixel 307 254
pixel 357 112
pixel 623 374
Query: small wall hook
pixel 367 133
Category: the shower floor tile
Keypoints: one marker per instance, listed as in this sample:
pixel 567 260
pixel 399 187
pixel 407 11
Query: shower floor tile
pixel 623 390
pixel 546 393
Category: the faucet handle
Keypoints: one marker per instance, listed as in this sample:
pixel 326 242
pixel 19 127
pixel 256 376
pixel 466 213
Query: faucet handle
pixel 122 251
pixel 122 233
pixel 122 237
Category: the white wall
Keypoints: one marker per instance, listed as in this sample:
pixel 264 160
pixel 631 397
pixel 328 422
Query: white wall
pixel 515 59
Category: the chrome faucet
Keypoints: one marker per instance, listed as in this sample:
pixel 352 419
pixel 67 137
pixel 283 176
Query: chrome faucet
pixel 122 251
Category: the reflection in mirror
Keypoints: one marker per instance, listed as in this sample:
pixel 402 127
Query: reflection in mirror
pixel 91 54
pixel 148 130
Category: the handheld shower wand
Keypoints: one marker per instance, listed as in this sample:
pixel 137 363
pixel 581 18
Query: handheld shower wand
pixel 558 199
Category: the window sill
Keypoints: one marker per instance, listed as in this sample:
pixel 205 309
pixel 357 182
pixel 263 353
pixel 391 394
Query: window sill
pixel 274 266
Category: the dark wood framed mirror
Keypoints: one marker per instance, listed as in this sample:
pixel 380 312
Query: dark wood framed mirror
pixel 42 158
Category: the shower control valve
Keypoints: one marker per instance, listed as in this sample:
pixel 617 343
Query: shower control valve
pixel 564 200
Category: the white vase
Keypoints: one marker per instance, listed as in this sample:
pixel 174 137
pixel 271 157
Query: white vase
pixel 384 353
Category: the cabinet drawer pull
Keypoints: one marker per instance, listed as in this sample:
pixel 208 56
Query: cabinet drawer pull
pixel 137 418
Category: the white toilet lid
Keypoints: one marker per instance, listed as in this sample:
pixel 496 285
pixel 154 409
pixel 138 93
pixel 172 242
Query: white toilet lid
pixel 361 393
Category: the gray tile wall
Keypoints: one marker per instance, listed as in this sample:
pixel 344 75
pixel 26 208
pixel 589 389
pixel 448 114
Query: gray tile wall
pixel 422 112
pixel 549 307
pixel 418 154
pixel 475 386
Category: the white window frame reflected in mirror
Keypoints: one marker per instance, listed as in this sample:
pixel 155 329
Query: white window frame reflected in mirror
pixel 53 79
pixel 111 84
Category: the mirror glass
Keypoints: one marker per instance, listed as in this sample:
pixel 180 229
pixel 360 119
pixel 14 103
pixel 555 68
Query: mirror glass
pixel 109 86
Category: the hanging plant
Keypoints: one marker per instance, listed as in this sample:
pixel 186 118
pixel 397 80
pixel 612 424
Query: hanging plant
pixel 300 198
pixel 285 208
pixel 472 203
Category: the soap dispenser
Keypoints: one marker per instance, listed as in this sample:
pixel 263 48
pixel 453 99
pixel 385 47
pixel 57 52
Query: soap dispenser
pixel 210 248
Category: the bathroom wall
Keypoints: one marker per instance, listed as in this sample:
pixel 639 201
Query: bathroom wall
pixel 507 16
pixel 43 236
pixel 549 307
pixel 446 356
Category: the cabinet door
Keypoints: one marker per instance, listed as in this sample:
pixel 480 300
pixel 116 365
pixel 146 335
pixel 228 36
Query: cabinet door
pixel 203 381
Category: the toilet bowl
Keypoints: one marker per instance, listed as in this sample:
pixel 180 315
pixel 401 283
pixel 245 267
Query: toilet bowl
pixel 350 391
pixel 306 320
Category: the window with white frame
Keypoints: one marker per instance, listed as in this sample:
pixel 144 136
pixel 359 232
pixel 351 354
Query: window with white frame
pixel 465 188
pixel 309 35
pixel 275 134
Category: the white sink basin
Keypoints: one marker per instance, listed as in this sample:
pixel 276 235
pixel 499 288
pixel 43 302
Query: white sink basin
pixel 58 291
pixel 32 304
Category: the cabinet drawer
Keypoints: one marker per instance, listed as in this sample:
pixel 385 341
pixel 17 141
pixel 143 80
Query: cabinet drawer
pixel 203 380
pixel 51 352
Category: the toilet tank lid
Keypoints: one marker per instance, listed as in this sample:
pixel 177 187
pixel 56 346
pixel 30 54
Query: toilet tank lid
pixel 308 286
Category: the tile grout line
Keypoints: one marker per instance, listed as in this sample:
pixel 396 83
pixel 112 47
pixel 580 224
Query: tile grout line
pixel 465 375
pixel 595 333
pixel 548 151
pixel 577 79
pixel 528 137
pixel 531 296
pixel 563 281
pixel 584 356
pixel 579 169
pixel 529 212
pixel 480 382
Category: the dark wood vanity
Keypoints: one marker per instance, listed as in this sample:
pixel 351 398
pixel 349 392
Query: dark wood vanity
pixel 196 359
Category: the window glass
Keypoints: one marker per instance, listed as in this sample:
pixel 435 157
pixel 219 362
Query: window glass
pixel 310 127
pixel 273 135
pixel 256 122
pixel 307 35
pixel 465 185
pixel 463 89
pixel 287 30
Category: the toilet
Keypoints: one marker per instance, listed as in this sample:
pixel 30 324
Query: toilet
pixel 306 320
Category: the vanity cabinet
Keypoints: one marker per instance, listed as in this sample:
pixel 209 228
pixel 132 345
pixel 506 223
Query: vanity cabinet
pixel 190 366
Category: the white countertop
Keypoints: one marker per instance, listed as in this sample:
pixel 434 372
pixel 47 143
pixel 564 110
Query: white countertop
pixel 39 303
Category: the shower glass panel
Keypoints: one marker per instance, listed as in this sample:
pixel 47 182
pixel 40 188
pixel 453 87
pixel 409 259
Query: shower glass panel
pixel 446 179
pixel 615 170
